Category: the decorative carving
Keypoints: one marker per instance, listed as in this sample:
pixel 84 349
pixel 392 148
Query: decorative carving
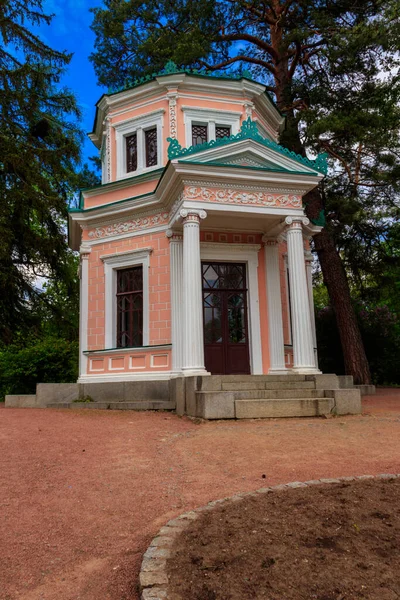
pixel 228 196
pixel 172 115
pixel 192 215
pixel 108 148
pixel 248 131
pixel 174 236
pixel 245 186
pixel 296 222
pixel 129 226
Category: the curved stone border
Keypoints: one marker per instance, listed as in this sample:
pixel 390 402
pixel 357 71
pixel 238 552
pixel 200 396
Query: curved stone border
pixel 153 576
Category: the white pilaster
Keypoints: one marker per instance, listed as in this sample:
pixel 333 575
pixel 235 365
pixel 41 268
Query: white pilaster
pixel 303 346
pixel 309 260
pixel 83 307
pixel 176 265
pixel 193 344
pixel 275 323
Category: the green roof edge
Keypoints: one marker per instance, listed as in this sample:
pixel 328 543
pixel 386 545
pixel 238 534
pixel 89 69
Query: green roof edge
pixel 248 131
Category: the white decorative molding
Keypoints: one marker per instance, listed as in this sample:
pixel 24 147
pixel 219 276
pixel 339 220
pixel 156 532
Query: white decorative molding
pixel 231 196
pixel 129 226
pixel 245 253
pixel 172 115
pixel 138 125
pixel 112 263
pixel 244 186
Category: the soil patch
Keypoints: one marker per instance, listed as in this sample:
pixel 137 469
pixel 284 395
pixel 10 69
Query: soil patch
pixel 326 542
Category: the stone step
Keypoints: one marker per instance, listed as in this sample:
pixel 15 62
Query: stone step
pixel 258 378
pixel 275 394
pixel 145 405
pixel 267 385
pixel 289 407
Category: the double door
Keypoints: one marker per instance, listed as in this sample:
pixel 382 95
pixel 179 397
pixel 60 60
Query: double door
pixel 226 340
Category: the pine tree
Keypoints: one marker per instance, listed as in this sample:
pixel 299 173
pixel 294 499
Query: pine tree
pixel 313 56
pixel 39 152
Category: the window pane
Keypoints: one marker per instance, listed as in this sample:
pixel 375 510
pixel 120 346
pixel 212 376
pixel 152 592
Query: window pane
pixel 130 307
pixel 199 134
pixel 222 131
pixel 151 147
pixel 131 153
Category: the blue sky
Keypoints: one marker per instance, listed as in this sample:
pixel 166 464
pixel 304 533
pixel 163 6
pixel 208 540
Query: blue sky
pixel 70 31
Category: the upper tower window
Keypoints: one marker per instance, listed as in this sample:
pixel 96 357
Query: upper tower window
pixel 151 146
pixel 131 152
pixel 139 144
pixel 222 131
pixel 205 125
pixel 199 134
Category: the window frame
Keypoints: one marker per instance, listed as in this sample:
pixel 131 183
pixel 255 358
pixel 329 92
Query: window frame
pixel 138 125
pixel 113 263
pixel 132 293
pixel 211 118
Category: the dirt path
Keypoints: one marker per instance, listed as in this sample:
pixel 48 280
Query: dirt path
pixel 82 493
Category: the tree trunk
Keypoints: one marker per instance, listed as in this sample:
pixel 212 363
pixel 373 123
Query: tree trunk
pixel 334 274
pixel 335 278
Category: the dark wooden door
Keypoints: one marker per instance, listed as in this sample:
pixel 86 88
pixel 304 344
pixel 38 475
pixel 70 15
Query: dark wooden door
pixel 226 339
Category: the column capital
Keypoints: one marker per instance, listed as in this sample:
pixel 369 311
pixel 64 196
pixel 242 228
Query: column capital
pixel 174 236
pixel 192 214
pixel 308 256
pixel 84 251
pixel 271 241
pixel 296 222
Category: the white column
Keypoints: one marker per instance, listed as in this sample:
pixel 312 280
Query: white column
pixel 303 346
pixel 83 307
pixel 193 344
pixel 176 266
pixel 309 260
pixel 275 323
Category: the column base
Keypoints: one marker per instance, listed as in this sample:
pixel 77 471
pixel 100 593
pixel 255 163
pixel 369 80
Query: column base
pixel 306 371
pixel 282 371
pixel 192 372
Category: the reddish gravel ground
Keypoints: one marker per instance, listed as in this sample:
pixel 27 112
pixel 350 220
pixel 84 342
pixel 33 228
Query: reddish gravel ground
pixel 83 492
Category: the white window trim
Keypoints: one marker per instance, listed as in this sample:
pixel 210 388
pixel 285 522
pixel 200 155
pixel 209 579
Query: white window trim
pixel 247 254
pixel 139 125
pixel 112 263
pixel 211 118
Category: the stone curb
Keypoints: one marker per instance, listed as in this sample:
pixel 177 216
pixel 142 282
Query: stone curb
pixel 153 576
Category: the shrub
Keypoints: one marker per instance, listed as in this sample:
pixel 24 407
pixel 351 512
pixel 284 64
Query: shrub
pixel 49 360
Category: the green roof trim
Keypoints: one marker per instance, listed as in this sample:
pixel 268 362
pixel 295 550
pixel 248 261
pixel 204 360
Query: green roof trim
pixel 171 69
pixel 248 131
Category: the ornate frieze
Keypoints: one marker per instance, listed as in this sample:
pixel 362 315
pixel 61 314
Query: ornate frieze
pixel 129 226
pixel 231 196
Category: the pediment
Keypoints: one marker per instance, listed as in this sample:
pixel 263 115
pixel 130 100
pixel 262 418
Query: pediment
pixel 247 159
pixel 251 154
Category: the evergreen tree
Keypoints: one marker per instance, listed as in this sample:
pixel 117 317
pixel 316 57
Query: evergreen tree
pixel 332 66
pixel 39 152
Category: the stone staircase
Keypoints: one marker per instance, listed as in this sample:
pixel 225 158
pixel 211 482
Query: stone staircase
pixel 269 396
pixel 208 397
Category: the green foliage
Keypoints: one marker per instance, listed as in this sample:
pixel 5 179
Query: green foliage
pixel 39 154
pixel 28 362
pixel 380 330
